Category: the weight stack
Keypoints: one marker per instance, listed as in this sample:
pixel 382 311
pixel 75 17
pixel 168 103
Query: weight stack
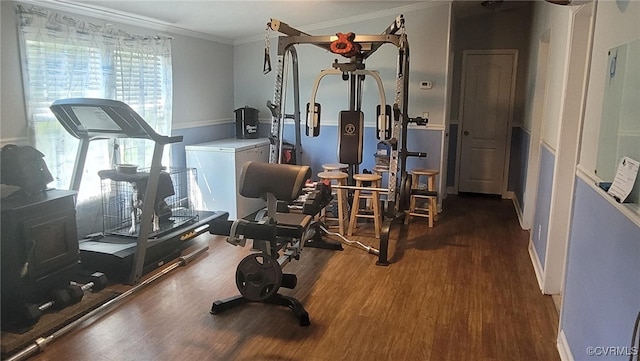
pixel 246 123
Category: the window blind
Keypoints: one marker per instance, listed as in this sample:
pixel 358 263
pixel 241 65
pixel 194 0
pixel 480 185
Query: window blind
pixel 67 57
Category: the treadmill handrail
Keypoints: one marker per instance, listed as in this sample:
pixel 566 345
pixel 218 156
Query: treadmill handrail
pixel 121 121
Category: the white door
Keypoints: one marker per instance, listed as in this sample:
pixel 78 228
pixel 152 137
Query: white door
pixel 486 98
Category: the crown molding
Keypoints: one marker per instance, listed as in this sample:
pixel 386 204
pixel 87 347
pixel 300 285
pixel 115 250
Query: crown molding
pixel 349 20
pixel 111 15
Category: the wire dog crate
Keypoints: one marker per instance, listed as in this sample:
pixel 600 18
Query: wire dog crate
pixel 123 197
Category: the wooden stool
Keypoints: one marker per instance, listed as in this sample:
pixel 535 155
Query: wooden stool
pixel 375 199
pixel 431 212
pixel 332 167
pixel 340 178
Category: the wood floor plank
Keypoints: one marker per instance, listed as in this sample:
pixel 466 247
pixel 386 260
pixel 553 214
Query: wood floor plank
pixel 462 290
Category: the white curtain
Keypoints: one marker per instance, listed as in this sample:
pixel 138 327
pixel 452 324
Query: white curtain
pixel 68 57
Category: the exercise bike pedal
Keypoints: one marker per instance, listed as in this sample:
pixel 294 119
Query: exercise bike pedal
pixel 289 280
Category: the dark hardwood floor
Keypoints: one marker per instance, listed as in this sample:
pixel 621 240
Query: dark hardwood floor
pixel 463 290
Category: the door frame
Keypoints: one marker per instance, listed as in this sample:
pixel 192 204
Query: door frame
pixel 514 77
pixel 578 60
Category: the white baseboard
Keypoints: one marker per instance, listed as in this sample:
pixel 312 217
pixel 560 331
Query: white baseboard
pixel 563 347
pixel 537 266
pixel 509 195
pixel 516 205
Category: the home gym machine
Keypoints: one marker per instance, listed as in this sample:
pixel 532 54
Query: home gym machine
pixel 134 255
pixel 391 122
pixel 277 238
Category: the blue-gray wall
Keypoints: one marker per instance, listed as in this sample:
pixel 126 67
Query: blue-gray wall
pixel 519 155
pixel 323 149
pixel 520 139
pixel 602 292
pixel 198 135
pixel 453 154
pixel 543 203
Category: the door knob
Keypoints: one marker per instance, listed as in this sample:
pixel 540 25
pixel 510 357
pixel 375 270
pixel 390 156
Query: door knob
pixel 466 132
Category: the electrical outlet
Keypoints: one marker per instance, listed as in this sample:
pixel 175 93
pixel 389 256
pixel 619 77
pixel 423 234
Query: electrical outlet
pixel 425 115
pixel 426 84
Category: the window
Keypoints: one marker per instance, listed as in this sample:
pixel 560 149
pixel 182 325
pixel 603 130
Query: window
pixel 67 57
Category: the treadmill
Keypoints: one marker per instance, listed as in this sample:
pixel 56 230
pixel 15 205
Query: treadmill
pixel 126 258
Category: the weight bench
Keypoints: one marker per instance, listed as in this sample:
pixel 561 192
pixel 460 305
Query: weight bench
pixel 277 238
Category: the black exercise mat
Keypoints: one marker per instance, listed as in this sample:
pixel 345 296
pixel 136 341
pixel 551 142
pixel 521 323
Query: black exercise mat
pixel 51 322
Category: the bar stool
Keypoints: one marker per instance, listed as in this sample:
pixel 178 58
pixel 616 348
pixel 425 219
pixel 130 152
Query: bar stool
pixel 340 178
pixel 375 199
pixel 333 167
pixel 431 196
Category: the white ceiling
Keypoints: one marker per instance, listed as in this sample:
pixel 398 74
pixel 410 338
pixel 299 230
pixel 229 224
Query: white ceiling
pixel 235 21
pixel 240 19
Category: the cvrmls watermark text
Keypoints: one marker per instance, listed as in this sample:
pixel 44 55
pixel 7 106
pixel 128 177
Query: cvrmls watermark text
pixel 612 351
